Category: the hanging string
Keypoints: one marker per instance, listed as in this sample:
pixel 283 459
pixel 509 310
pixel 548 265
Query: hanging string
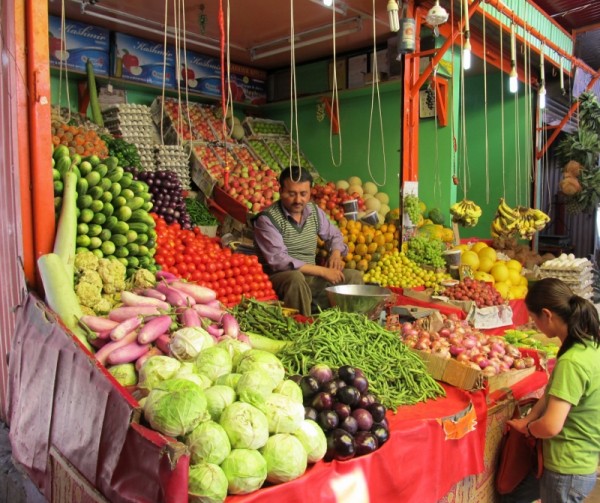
pixel 465 181
pixel 63 64
pixel 485 117
pixel 437 181
pixel 162 96
pixel 229 103
pixel 335 102
pixel 453 142
pixel 185 66
pixel 178 70
pixel 293 98
pixel 502 114
pixel 375 87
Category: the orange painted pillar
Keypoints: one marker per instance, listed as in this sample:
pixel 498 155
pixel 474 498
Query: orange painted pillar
pixel 40 141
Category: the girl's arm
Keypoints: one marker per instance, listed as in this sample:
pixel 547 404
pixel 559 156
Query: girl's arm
pixel 551 422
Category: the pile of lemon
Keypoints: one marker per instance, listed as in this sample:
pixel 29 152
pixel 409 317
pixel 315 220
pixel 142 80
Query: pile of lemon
pixel 397 270
pixel 505 275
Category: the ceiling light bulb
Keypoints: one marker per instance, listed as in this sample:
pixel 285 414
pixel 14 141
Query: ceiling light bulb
pixel 436 16
pixel 513 80
pixel 542 96
pixel 327 3
pixel 562 75
pixel 392 8
pixel 467 55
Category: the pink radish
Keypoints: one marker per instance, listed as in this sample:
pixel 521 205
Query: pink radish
pixel 201 294
pixel 154 351
pixel 212 313
pixel 128 353
pixel 167 276
pixel 124 313
pixel 152 329
pixel 215 331
pixel 230 325
pixel 162 343
pixel 102 354
pixel 132 299
pixel 190 318
pixel 153 293
pixel 174 297
pixel 123 328
pixel 97 323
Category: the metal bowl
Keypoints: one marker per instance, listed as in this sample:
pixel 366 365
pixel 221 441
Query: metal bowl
pixel 366 299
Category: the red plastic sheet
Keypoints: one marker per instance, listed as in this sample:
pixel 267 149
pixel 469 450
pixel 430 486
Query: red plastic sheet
pixel 416 465
pixel 59 397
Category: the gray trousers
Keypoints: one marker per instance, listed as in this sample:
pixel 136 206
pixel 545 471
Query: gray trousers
pixel 307 293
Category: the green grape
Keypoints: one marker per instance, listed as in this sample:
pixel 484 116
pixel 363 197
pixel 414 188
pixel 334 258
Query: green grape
pixel 411 208
pixel 426 252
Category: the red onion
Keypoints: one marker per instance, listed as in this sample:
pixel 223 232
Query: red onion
pixel 483 363
pixel 509 360
pixel 529 361
pixel 519 364
pixel 462 358
pixel 444 332
pixel 456 350
pixel 498 348
pixel 469 342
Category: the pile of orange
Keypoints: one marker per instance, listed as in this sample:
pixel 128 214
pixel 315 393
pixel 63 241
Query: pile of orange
pixel 79 139
pixel 367 244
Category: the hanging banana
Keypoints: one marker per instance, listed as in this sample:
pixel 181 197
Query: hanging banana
pixel 521 221
pixel 465 213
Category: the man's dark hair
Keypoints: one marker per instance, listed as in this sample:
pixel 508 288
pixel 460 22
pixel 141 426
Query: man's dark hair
pixel 296 174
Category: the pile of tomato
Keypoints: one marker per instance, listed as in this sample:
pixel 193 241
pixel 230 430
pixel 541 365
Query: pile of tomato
pixel 201 259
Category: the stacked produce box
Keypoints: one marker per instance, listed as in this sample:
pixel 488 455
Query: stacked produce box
pixel 575 272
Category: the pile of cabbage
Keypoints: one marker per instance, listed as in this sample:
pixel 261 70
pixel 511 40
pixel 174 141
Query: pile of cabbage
pixel 242 422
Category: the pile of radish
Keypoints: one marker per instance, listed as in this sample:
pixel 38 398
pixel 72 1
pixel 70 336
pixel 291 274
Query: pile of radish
pixel 143 325
pixel 459 340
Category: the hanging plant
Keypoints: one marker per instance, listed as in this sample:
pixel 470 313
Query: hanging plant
pixel 579 153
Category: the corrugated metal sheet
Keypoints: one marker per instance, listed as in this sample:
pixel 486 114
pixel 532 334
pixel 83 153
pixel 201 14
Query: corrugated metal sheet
pixel 580 227
pixel 12 278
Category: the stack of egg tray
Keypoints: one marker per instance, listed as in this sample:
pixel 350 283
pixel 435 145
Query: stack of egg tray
pixel 576 273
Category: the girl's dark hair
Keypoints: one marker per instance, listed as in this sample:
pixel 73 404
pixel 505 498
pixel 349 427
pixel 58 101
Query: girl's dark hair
pixel 579 314
pixel 296 174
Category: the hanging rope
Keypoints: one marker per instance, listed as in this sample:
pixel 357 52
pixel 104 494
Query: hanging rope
pixel 466 178
pixel 485 116
pixel 63 64
pixel 293 98
pixel 453 141
pixel 162 95
pixel 375 88
pixel 335 103
pixel 502 115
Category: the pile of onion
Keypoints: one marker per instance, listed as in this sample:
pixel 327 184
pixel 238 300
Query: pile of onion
pixel 459 340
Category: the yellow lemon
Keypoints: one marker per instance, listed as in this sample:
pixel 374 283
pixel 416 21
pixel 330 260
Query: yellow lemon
pixel 514 265
pixel 514 277
pixel 462 247
pixel 486 264
pixel 471 259
pixel 478 246
pixel 487 252
pixel 503 288
pixel 518 292
pixel 523 281
pixel 483 276
pixel 499 271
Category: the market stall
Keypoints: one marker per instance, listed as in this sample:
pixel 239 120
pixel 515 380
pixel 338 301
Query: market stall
pixel 149 240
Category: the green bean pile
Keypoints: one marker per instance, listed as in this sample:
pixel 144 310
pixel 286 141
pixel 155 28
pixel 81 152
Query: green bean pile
pixel 396 375
pixel 267 319
pixel 199 213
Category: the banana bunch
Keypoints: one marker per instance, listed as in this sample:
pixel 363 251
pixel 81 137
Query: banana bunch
pixel 531 220
pixel 506 220
pixel 465 213
pixel 521 221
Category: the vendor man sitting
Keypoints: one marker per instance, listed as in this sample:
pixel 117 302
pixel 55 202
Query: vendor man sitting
pixel 285 235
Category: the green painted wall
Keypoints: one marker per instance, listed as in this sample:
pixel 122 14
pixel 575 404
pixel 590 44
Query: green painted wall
pixel 509 154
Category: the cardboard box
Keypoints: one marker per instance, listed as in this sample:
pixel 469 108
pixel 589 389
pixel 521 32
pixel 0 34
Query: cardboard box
pixel 457 374
pixel 341 74
pixel 82 42
pixel 141 60
pixel 357 68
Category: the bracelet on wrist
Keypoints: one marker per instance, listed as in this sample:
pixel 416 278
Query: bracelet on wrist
pixel 529 430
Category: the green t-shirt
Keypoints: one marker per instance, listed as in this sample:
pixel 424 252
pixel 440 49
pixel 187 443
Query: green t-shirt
pixel 576 379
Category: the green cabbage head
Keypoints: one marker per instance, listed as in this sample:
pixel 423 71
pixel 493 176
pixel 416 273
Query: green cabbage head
pixel 245 469
pixel 208 443
pixel 207 484
pixel 286 458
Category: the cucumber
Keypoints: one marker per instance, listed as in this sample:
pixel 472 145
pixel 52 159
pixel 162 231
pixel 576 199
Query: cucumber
pixel 108 209
pixel 76 159
pixel 123 261
pixel 115 189
pixel 106 196
pixel 133 262
pixel 112 162
pixel 63 164
pixel 99 218
pixel 142 239
pixel 121 252
pixel 82 187
pixel 139 227
pixel 55 174
pixel 111 222
pixel 127 194
pixel 120 228
pixel 135 202
pixel 97 206
pixel 144 251
pixel 137 187
pixel 147 196
pixel 126 180
pixel 144 261
pixel 94 160
pixel 151 243
pixel 105 235
pixel 134 249
pixel 84 202
pixel 98 253
pixel 108 248
pixel 119 240
pixel 147 206
pixel 105 183
pixel 83 228
pixel 140 215
pixel 94 230
pixel 86 215
pixel 123 213
pixel 85 168
pixel 58 187
pixel 101 169
pixel 116 174
pixel 83 241
pixel 93 178
pixel 131 236
pixel 95 242
pixel 60 151
pixel 96 192
pixel 119 201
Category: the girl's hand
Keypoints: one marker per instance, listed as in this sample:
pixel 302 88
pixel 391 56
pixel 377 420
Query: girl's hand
pixel 520 425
